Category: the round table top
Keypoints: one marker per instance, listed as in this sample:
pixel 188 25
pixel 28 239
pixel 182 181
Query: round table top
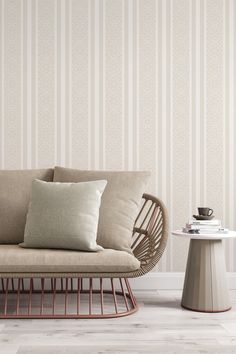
pixel 216 236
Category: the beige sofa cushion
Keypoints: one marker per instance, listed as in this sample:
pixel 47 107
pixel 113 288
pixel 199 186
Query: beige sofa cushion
pixel 13 259
pixel 64 215
pixel 15 190
pixel 120 202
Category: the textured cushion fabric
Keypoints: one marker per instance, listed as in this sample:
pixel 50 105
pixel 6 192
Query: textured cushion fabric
pixel 120 202
pixel 16 259
pixel 64 215
pixel 15 190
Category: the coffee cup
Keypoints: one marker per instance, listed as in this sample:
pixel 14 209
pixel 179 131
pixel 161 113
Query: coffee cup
pixel 203 211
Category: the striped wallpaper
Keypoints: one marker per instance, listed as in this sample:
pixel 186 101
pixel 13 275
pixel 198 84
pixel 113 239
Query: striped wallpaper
pixel 126 84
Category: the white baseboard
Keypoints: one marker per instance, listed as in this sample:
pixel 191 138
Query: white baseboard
pixel 169 281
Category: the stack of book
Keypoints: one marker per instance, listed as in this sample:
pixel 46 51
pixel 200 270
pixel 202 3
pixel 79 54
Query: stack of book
pixel 204 227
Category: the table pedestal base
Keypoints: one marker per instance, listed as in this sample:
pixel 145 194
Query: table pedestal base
pixel 205 285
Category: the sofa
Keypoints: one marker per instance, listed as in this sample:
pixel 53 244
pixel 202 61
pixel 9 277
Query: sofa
pixel 53 283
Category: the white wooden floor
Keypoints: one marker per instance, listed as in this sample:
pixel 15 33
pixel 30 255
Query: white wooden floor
pixel 160 326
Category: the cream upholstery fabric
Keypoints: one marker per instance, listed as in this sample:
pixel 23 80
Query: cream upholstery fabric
pixel 16 259
pixel 120 203
pixel 64 215
pixel 15 190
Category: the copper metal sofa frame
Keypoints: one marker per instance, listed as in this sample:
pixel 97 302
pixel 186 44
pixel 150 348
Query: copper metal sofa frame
pixel 106 295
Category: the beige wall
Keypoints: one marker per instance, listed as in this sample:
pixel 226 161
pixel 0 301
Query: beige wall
pixel 129 84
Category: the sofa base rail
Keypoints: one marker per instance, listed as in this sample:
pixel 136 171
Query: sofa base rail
pixel 65 298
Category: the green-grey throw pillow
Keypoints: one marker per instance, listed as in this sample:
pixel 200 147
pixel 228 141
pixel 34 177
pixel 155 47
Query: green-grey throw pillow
pixel 64 215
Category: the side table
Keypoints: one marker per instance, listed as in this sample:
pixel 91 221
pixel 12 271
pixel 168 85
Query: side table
pixel 205 284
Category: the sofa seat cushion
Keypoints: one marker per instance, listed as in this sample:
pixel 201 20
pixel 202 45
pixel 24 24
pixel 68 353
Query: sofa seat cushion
pixel 14 259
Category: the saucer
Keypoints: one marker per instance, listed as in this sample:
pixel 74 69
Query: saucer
pixel 203 217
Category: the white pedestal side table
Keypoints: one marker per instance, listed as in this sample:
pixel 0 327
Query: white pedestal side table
pixel 205 284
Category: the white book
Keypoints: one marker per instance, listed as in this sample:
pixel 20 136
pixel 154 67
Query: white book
pixel 208 231
pixel 219 231
pixel 202 227
pixel 204 222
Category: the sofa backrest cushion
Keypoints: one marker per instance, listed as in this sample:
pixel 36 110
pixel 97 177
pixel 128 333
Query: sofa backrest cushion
pixel 15 190
pixel 120 202
pixel 64 215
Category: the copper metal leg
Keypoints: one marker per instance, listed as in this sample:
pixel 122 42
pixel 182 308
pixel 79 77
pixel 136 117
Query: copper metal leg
pixel 66 298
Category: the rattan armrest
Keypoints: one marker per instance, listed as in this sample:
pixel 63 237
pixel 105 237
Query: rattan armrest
pixel 150 233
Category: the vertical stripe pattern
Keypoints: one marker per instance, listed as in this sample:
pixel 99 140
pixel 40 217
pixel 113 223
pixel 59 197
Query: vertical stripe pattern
pixel 126 84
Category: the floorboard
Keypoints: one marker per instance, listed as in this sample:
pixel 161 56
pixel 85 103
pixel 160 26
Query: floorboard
pixel 160 326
